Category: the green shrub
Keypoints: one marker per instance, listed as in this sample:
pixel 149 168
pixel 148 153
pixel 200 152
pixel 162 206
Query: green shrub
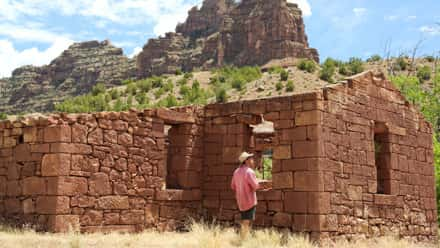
pixel 188 75
pixel 171 101
pixel 108 97
pixel 159 93
pixel 114 93
pixel 279 86
pixel 3 116
pixel 184 90
pixel 401 63
pixel 343 70
pixel 275 70
pixel 99 88
pixel 284 75
pixel 221 95
pixel 142 98
pixel 178 72
pixel 430 59
pixel 84 104
pixel 328 70
pixel 169 86
pixel 374 58
pixel 131 89
pixel 127 81
pixel 307 65
pixel 157 82
pixel 238 83
pixel 144 85
pixel 182 81
pixel 289 86
pixel 424 73
pixel 355 65
pixel 130 101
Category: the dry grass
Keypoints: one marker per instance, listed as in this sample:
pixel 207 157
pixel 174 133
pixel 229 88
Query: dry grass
pixel 201 235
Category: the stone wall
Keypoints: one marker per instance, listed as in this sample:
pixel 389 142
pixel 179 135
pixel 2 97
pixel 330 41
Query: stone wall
pixel 100 172
pixel 366 110
pixel 295 154
pixel 351 159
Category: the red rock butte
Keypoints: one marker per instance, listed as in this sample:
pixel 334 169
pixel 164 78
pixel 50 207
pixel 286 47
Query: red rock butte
pixel 252 32
pixel 351 159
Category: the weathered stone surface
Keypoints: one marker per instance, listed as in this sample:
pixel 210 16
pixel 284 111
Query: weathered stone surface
pixel 64 223
pixel 56 165
pixel 225 32
pixel 99 184
pixel 113 202
pixel 74 72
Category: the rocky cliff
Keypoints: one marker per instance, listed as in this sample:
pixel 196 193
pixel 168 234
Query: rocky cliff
pixel 251 32
pixel 74 72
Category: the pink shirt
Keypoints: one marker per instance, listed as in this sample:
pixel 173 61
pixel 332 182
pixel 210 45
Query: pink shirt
pixel 245 184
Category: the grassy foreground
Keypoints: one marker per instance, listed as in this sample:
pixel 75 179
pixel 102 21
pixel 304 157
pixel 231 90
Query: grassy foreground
pixel 200 236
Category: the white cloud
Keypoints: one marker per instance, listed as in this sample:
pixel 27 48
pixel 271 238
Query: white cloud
pixel 359 11
pixel 29 33
pixel 135 52
pixel 430 30
pixel 411 17
pixel 304 5
pixel 32 56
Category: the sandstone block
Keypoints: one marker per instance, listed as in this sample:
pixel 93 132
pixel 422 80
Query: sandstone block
pixel 67 186
pixel 174 117
pixel 113 202
pixel 295 202
pixel 61 133
pixel 282 152
pixel 308 181
pixel 308 118
pixel 99 184
pixel 318 202
pixel 53 205
pixel 132 217
pixel 283 180
pixel 95 137
pixel 56 165
pixel 79 133
pixel 92 218
pixel 64 223
pixel 34 186
pixel 282 220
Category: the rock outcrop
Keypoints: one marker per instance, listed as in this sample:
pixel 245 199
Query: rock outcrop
pixel 252 32
pixel 74 72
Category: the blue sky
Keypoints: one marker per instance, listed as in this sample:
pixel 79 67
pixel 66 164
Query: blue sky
pixel 36 31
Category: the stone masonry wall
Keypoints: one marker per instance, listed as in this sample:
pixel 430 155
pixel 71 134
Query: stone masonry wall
pixel 98 172
pixel 295 200
pixel 353 113
pixel 351 159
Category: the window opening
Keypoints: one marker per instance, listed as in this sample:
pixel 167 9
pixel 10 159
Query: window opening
pixel 382 159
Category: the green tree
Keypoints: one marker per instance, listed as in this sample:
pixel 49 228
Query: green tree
pixel 3 116
pixel 328 70
pixel 355 65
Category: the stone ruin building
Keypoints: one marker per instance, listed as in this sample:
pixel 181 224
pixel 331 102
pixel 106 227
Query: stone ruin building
pixel 354 158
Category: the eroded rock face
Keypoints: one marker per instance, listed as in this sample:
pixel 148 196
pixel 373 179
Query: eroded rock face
pixel 252 32
pixel 74 72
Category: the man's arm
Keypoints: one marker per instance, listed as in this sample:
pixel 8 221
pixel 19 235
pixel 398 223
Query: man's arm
pixel 252 180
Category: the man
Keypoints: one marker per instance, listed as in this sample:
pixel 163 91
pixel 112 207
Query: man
pixel 245 185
